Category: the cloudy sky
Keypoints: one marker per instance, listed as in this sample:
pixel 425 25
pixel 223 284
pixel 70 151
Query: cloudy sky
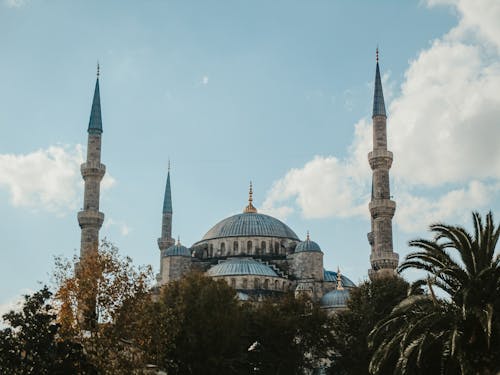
pixel 279 93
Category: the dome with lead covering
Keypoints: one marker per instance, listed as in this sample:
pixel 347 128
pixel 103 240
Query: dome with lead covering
pixel 335 299
pixel 177 250
pixel 250 224
pixel 307 245
pixel 332 276
pixel 241 266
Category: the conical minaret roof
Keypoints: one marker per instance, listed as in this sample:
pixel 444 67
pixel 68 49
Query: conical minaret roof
pixel 378 95
pixel 167 200
pixel 95 122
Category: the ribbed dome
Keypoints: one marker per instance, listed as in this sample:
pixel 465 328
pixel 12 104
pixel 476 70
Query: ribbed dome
pixel 335 298
pixel 250 224
pixel 241 266
pixel 177 250
pixel 332 276
pixel 307 245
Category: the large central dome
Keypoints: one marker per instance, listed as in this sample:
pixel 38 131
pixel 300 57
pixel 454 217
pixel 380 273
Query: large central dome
pixel 250 224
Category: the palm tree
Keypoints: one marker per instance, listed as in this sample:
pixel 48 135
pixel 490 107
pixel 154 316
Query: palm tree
pixel 458 332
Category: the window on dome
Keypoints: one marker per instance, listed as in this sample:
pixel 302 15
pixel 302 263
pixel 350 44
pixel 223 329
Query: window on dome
pixel 263 246
pixel 211 250
pixel 223 248
pixel 256 283
pixel 276 284
pixel 244 283
pixel 233 283
pixel 266 284
pixel 276 247
pixel 249 246
pixel 235 247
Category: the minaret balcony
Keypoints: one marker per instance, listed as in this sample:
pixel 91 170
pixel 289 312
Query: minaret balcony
pixel 165 243
pixel 88 218
pixel 384 259
pixel 382 207
pixel 380 159
pixel 371 238
pixel 92 168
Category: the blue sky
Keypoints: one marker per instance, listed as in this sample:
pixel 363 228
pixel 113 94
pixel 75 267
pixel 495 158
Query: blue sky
pixel 279 93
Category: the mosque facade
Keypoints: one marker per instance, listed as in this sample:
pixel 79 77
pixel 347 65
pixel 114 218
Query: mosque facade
pixel 256 254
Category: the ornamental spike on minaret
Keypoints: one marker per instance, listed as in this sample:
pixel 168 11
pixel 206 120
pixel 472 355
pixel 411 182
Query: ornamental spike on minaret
pixel 383 259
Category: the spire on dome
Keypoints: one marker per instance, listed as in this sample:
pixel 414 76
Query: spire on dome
pixel 95 122
pixel 250 208
pixel 339 280
pixel 378 95
pixel 308 238
pixel 167 200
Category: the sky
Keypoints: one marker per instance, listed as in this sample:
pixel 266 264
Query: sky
pixel 276 92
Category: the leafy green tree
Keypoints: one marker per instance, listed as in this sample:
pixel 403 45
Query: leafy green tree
pixel 367 305
pixel 198 328
pixel 460 332
pixel 289 335
pixel 31 343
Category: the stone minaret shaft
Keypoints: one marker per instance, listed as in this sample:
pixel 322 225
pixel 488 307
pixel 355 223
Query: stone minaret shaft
pixel 383 259
pixel 166 240
pixel 90 218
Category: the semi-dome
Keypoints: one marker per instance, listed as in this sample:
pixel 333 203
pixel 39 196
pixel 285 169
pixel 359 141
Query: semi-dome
pixel 307 245
pixel 336 298
pixel 177 250
pixel 250 224
pixel 332 276
pixel 241 266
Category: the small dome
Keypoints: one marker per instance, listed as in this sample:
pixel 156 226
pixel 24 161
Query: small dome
pixel 241 266
pixel 335 299
pixel 307 245
pixel 332 276
pixel 177 250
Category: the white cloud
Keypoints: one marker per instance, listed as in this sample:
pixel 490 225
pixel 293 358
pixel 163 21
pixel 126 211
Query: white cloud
pixel 204 80
pixel 15 3
pixel 47 179
pixel 443 130
pixel 124 228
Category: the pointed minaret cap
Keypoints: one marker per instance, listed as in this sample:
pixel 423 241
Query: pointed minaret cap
pixel 95 122
pixel 378 95
pixel 339 280
pixel 250 208
pixel 167 200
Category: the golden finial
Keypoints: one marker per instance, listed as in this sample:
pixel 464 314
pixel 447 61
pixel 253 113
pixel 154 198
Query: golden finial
pixel 250 208
pixel 376 54
pixel 339 280
pixel 308 238
pixel 98 69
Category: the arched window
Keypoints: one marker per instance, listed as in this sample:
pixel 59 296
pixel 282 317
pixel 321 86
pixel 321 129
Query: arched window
pixel 211 252
pixel 276 247
pixel 266 284
pixel 223 248
pixel 256 283
pixel 235 247
pixel 233 283
pixel 249 247
pixel 263 246
pixel 284 286
pixel 276 284
pixel 244 284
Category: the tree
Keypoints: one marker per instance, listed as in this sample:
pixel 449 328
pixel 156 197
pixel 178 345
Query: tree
pixel 460 332
pixel 290 335
pixel 32 345
pixel 367 305
pixel 113 294
pixel 199 328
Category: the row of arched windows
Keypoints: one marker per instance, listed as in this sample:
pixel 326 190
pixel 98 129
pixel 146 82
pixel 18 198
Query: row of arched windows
pixel 249 249
pixel 257 283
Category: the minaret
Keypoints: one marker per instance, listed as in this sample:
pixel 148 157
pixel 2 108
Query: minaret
pixel 90 218
pixel 166 240
pixel 383 259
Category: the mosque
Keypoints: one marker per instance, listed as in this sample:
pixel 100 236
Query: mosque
pixel 256 254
